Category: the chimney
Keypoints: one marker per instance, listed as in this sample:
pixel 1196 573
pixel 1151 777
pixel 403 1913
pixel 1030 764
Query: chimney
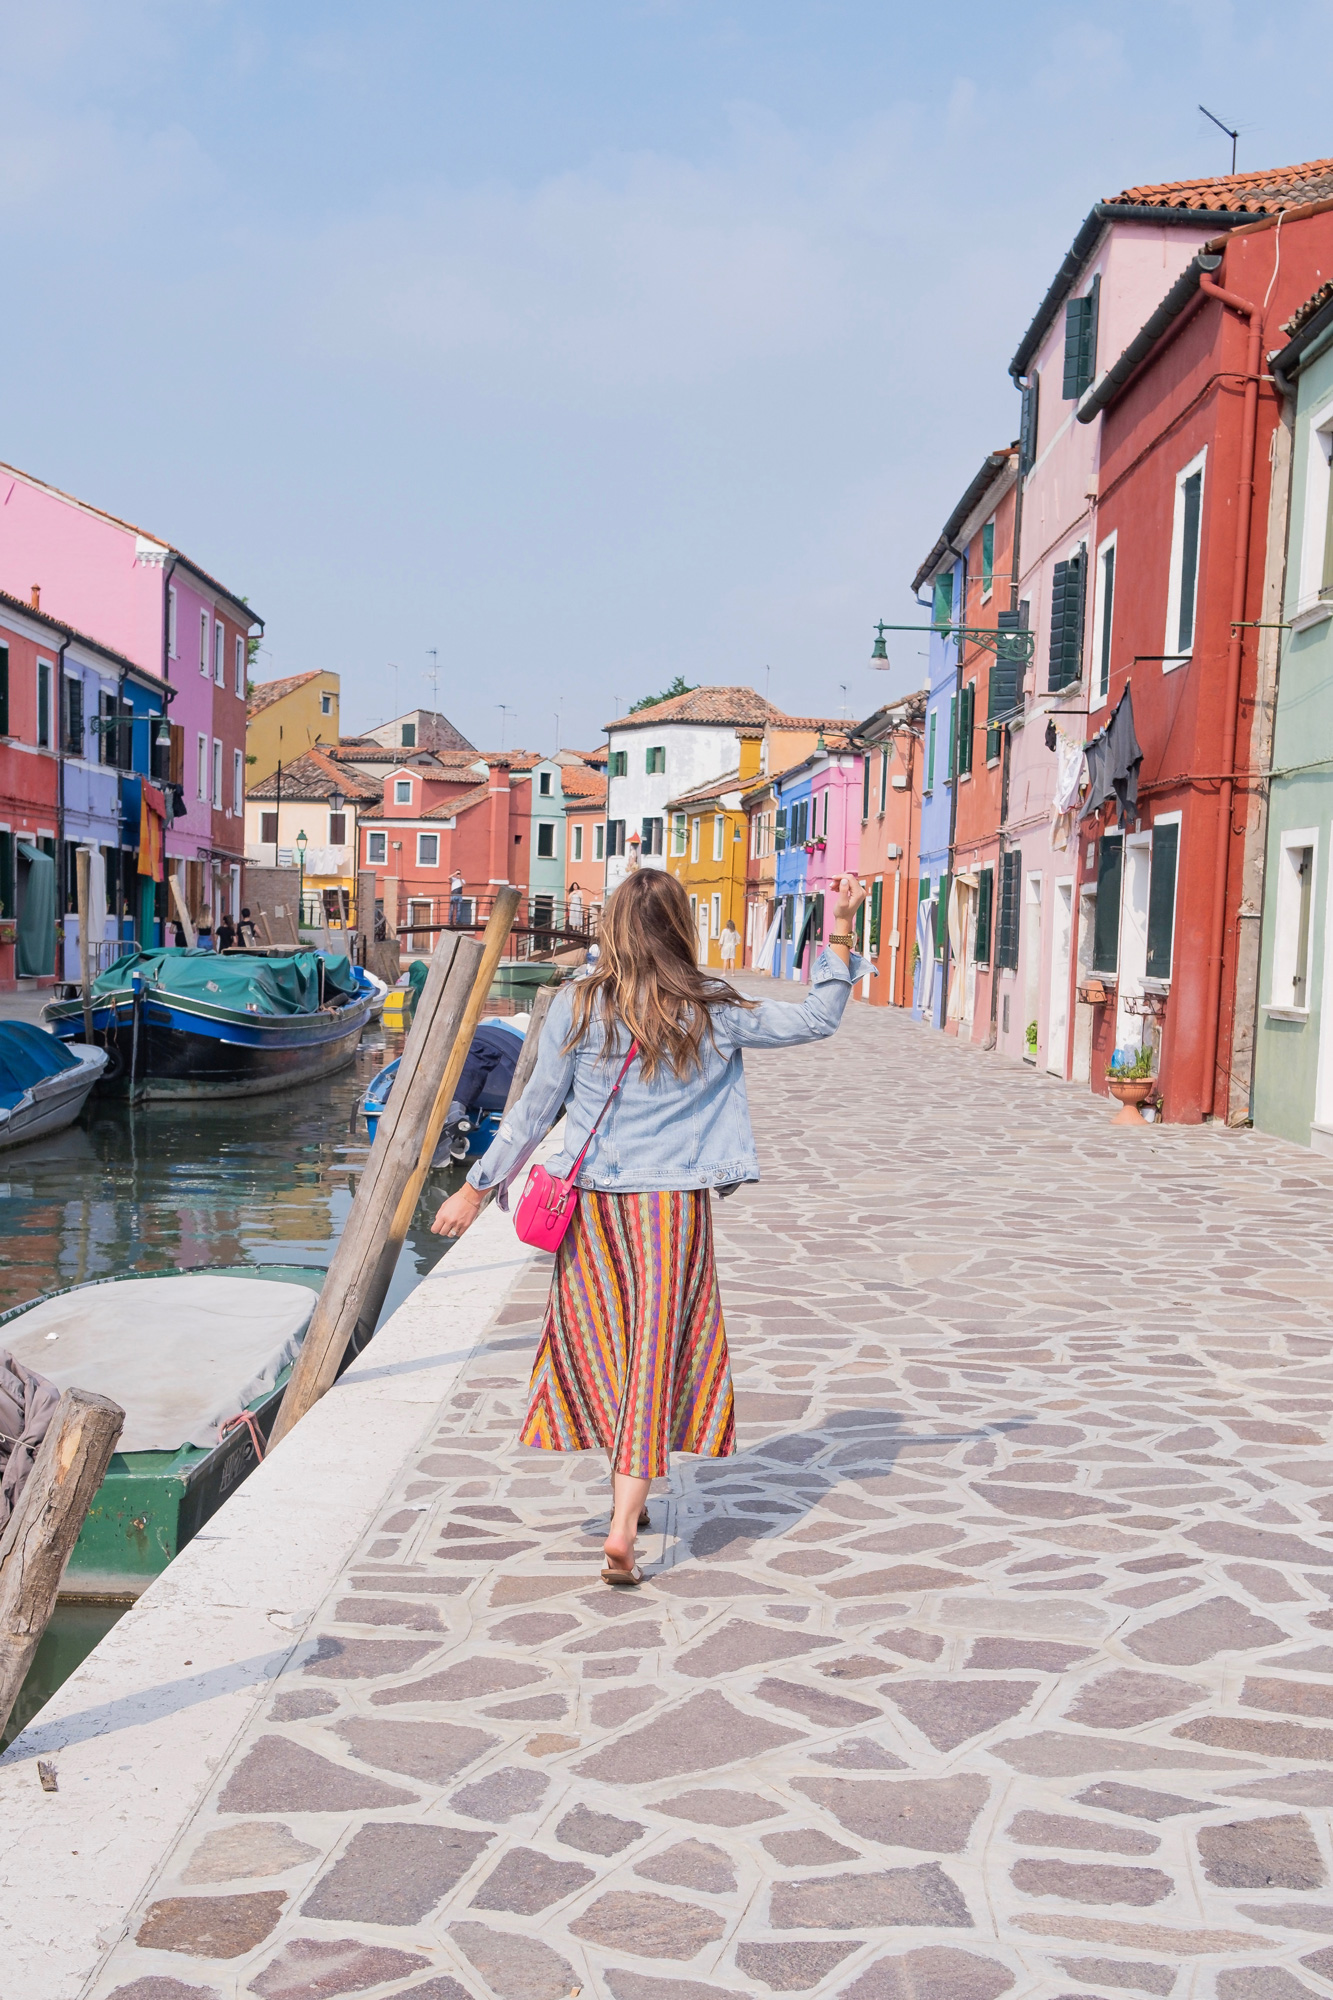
pixel 37 597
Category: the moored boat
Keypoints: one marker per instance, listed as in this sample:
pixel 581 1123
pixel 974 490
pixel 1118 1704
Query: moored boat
pixel 44 1081
pixel 201 1024
pixel 198 1361
pixel 478 1106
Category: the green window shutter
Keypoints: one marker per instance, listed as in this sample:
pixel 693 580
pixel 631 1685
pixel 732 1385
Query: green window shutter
pixel 1027 424
pixel 930 751
pixel 818 932
pixel 1006 943
pixel 74 715
pixel 1106 921
pixel 942 916
pixel 43 705
pixel 4 700
pixel 966 713
pixel 1162 900
pixel 865 787
pixel 1189 559
pixel 985 899
pixel 876 905
pixel 953 735
pixel 987 556
pixel 1066 644
pixel 943 593
pixel 1081 341
pixel 780 831
pixel 1005 693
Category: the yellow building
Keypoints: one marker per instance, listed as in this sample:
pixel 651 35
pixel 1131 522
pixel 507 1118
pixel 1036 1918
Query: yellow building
pixel 707 845
pixel 286 718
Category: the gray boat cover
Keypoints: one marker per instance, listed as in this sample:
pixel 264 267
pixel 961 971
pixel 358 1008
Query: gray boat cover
pixel 27 1404
pixel 179 1354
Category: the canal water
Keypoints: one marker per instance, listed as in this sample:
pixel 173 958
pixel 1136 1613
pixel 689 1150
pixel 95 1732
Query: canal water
pixel 164 1188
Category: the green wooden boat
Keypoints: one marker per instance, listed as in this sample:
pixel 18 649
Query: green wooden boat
pixel 185 1356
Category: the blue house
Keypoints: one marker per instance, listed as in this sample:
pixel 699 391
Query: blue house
pixel 792 830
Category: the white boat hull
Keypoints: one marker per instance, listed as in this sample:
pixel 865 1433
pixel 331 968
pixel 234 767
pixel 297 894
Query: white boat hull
pixel 55 1102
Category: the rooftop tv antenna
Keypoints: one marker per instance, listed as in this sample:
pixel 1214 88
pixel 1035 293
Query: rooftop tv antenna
pixel 1233 136
pixel 504 714
pixel 433 676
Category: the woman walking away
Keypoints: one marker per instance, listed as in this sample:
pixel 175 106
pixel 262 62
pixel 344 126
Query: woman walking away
pixel 633 1354
pixel 727 944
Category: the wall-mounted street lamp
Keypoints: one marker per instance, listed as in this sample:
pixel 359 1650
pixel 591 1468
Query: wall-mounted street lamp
pixel 1010 642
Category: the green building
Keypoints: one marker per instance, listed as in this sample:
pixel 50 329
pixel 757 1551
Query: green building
pixel 1293 1070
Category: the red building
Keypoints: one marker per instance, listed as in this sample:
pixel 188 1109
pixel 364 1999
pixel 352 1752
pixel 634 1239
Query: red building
pixel 1169 902
pixel 434 822
pixel 891 764
pixel 29 768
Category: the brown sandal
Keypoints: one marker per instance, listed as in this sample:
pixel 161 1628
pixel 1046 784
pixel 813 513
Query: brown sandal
pixel 622 1579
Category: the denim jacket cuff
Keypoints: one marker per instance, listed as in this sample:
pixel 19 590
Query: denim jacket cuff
pixel 828 968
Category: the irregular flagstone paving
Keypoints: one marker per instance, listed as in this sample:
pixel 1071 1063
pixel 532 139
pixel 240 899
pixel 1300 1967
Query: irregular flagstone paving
pixel 998 1661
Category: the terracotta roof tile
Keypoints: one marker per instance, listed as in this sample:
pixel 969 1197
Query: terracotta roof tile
pixel 313 776
pixel 464 802
pixel 1262 193
pixel 578 782
pixel 267 692
pixel 1304 314
pixel 729 781
pixel 739 706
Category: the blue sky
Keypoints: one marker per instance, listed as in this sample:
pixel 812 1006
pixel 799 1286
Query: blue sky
pixel 586 343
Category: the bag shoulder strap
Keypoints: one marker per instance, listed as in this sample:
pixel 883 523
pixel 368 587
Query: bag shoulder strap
pixel 624 1072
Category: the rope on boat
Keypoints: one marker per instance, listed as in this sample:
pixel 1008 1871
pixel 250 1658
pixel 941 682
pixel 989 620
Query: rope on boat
pixel 245 1421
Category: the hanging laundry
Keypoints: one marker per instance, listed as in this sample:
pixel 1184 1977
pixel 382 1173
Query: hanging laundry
pixel 152 815
pixel 1114 756
pixel 1071 774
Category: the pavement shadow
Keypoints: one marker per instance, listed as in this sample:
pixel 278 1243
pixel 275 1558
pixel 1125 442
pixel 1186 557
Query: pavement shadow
pixel 145 1705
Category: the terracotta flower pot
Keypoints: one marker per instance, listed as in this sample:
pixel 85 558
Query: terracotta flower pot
pixel 1131 1091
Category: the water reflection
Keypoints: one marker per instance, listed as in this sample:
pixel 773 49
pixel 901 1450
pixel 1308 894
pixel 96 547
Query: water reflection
pixel 162 1188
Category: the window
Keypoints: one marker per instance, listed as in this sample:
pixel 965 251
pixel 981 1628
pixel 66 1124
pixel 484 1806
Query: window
pixel 408 736
pixel 1006 939
pixel 72 720
pixel 987 559
pixel 651 837
pixel 865 790
pixel 1103 615
pixel 1314 590
pixel 619 763
pixel 1005 694
pixel 615 838
pixel 1162 899
pixel 239 663
pixel 943 596
pixel 217 774
pixel 1291 929
pixel 1081 341
pixel 716 914
pixel 544 784
pixel 325 702
pixel 985 903
pixel 1184 584
pixel 966 714
pixel 780 831
pixel 655 762
pixel 823 829
pixel 1106 919
pixel 4 692
pixel 377 848
pixel 719 828
pixel 599 842
pixel 576 835
pixel 402 791
pixel 268 829
pixel 203 644
pixel 942 916
pixel 695 825
pixel 428 850
pixel 1066 643
pixel 1027 424
pixel 171 621
pixel 44 704
pixel 953 736
pixel 930 750
pixel 546 839
pixel 201 772
pixel 883 779
pixel 337 829
pixel 237 782
pixel 679 834
pixel 876 909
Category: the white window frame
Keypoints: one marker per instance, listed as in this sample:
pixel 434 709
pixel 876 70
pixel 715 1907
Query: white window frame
pixel 402 791
pixel 1177 819
pixel 201 772
pixel 325 702
pixel 219 654
pixel 240 666
pixel 883 780
pixel 217 774
pixel 1286 919
pixel 719 825
pixel 599 841
pixel 544 785
pixel 1103 621
pixel 542 826
pixel 715 915
pixel 1174 659
pixel 680 835
pixel 423 860
pixel 1309 607
pixel 171 621
pixel 576 834
pixel 238 782
pixel 377 847
pixel 695 825
pixel 203 644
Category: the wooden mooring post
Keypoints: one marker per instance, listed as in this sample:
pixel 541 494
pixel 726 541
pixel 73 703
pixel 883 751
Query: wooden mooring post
pixel 447 1012
pixel 83 862
pixel 70 1465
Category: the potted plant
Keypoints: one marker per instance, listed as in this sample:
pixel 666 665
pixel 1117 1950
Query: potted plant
pixel 1131 1081
pixel 1030 1042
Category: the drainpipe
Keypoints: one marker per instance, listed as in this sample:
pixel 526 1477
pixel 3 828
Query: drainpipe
pixel 955 747
pixel 1214 1091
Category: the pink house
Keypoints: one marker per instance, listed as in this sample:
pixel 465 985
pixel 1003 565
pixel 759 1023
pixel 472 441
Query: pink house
pixel 143 598
pixel 832 843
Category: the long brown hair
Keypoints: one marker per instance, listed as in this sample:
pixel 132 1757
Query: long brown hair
pixel 648 978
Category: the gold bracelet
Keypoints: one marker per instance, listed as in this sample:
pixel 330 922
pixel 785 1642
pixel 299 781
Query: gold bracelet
pixel 835 937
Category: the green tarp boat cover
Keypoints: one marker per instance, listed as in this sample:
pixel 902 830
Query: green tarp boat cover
pixel 36 955
pixel 288 985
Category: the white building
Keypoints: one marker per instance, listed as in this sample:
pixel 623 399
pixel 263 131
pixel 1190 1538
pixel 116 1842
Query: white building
pixel 658 753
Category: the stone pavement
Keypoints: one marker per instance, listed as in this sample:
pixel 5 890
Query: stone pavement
pixel 998 1661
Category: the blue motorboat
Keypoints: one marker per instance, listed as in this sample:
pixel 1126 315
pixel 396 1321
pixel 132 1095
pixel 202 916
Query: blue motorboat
pixel 475 1114
pixel 44 1082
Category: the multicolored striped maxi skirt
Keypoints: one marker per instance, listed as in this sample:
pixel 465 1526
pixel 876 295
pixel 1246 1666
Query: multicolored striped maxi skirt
pixel 633 1353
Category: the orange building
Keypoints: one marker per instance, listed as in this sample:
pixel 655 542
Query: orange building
pixel 891 763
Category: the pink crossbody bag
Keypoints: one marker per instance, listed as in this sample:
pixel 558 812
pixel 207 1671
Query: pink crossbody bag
pixel 546 1206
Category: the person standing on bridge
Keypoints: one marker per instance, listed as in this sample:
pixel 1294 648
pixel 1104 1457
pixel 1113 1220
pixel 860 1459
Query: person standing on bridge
pixel 632 1358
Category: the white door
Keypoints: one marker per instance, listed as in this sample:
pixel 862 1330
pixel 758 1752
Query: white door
pixel 968 915
pixel 1133 955
pixel 703 932
pixel 1057 1018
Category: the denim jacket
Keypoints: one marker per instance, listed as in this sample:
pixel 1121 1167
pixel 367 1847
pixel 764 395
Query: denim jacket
pixel 667 1134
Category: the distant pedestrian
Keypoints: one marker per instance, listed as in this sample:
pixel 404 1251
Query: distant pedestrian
pixel 457 884
pixel 574 908
pixel 226 934
pixel 728 945
pixel 633 1352
pixel 178 937
pixel 248 932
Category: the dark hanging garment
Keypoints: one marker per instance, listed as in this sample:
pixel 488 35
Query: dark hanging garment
pixel 1114 757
